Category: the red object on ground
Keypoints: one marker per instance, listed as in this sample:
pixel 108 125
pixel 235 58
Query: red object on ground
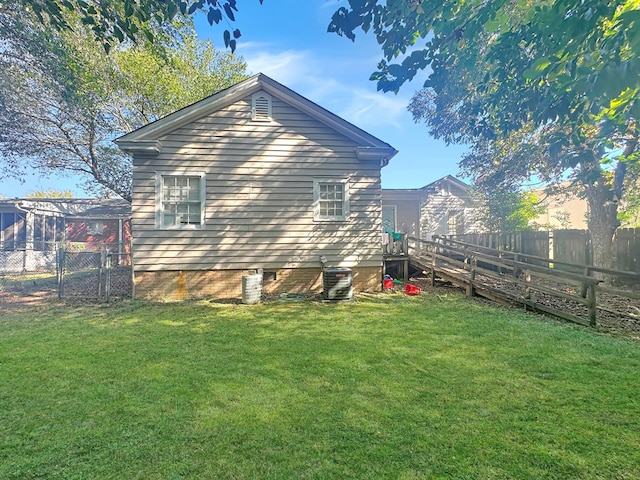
pixel 387 284
pixel 412 289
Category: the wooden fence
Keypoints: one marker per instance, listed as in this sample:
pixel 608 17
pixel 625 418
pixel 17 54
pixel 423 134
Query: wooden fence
pixel 570 246
pixel 627 248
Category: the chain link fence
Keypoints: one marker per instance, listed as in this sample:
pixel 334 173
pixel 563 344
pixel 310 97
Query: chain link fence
pixel 70 271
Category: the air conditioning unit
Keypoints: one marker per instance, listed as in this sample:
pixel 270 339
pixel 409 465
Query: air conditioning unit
pixel 337 284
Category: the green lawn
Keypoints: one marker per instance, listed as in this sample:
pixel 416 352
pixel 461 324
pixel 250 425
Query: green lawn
pixel 386 387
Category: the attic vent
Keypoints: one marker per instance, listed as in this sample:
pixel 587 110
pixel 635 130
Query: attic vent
pixel 261 107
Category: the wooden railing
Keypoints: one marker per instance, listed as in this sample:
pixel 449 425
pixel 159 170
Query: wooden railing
pixel 533 281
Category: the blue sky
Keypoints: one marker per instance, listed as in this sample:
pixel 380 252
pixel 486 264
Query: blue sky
pixel 288 41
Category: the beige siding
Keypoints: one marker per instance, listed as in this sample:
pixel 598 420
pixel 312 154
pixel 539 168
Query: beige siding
pixel 259 195
pixel 448 212
pixel 407 205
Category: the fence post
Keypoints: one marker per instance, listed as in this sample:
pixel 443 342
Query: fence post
pixel 433 265
pixel 103 261
pixel 471 291
pixel 591 304
pixel 516 268
pixel 527 282
pixel 133 274
pixel 60 263
pixel 584 291
pixel 107 278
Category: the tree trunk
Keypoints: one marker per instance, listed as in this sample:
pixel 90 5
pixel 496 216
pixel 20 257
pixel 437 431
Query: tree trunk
pixel 603 222
pixel 603 196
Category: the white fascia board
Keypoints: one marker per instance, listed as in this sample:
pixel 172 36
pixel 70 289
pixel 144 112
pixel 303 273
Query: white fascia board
pixel 140 146
pixel 384 154
pixel 189 113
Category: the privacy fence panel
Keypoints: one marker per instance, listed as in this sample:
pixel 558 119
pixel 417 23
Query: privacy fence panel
pixel 536 244
pixel 571 246
pixel 628 249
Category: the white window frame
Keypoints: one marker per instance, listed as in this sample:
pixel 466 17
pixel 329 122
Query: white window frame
pixel 395 217
pixel 346 204
pixel 257 114
pixel 160 223
pixel 95 227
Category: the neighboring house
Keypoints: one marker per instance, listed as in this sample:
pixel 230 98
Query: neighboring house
pixel 254 177
pixel 563 210
pixel 32 229
pixel 444 207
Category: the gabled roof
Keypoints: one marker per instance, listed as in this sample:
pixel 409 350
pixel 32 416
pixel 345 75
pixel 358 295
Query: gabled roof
pixel 447 179
pixel 147 137
pixel 431 187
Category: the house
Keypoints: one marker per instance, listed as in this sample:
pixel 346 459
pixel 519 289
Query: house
pixel 254 177
pixel 562 210
pixel 32 229
pixel 443 207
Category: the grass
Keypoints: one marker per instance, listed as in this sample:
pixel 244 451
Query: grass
pixel 386 387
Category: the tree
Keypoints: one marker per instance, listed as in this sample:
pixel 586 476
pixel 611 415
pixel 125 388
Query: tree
pixel 507 209
pixel 547 88
pixel 113 21
pixel 629 209
pixel 63 99
pixel 51 193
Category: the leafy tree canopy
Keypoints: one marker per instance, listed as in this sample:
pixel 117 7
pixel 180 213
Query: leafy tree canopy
pixel 540 58
pixel 51 193
pixel 114 21
pixel 63 99
pixel 507 209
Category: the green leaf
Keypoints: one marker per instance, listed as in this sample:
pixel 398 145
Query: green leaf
pixel 118 33
pixel 214 16
pixel 492 26
pixel 229 11
pixel 537 69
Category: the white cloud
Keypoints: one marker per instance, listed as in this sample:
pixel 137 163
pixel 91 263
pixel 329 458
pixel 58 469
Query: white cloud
pixel 331 83
pixel 289 67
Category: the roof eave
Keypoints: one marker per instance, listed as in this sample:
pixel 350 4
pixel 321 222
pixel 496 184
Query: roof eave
pixel 384 154
pixel 218 100
pixel 140 146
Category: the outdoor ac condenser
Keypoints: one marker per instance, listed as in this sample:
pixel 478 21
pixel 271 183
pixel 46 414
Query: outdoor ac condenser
pixel 337 284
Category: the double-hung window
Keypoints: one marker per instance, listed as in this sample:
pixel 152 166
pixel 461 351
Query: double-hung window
pixel 330 199
pixel 180 200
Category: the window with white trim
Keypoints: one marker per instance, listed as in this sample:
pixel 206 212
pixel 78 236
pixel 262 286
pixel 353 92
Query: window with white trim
pixel 331 199
pixel 95 228
pixel 261 107
pixel 180 200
